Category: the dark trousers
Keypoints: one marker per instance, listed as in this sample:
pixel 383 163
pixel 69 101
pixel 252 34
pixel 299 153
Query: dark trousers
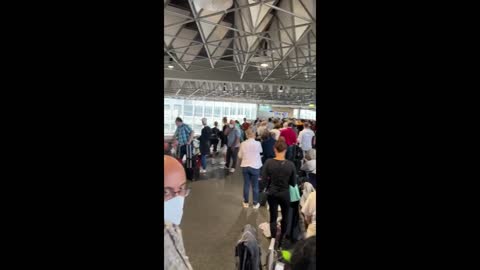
pixel 293 226
pixel 232 153
pixel 214 142
pixel 274 200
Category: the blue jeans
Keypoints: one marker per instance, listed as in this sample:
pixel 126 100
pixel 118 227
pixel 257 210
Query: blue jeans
pixel 204 161
pixel 250 177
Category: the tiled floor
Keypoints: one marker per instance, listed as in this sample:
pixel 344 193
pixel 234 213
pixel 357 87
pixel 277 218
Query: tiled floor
pixel 214 218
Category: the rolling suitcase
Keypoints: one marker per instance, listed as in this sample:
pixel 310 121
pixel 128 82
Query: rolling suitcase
pixel 190 162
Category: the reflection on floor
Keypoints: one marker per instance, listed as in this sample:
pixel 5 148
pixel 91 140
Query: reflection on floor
pixel 214 218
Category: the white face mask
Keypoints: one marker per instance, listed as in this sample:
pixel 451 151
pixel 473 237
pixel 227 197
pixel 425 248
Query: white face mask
pixel 231 126
pixel 173 209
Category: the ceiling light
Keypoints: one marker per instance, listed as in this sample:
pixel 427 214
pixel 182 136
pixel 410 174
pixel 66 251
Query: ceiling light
pixel 311 105
pixel 264 65
pixel 170 66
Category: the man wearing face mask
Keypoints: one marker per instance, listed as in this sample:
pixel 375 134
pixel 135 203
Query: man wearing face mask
pixel 174 192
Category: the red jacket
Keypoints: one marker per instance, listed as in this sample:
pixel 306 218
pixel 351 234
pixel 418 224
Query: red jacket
pixel 289 135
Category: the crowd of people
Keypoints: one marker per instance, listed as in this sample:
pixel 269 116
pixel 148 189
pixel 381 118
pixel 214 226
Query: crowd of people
pixel 275 151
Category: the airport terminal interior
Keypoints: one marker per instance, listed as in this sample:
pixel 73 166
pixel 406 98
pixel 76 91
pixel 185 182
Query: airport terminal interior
pixel 240 60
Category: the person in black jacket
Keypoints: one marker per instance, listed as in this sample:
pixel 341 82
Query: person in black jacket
pixel 205 144
pixel 223 138
pixel 215 137
pixel 268 141
pixel 280 174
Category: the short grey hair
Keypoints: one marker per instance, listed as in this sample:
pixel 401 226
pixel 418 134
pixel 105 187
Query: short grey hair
pixel 312 154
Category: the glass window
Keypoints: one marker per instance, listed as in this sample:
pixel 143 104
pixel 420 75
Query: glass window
pixel 199 110
pixel 218 109
pixel 253 111
pixel 208 110
pixel 307 114
pixel 177 111
pixel 226 110
pixel 188 120
pixel 197 127
pixel 241 110
pixel 188 110
pixel 193 111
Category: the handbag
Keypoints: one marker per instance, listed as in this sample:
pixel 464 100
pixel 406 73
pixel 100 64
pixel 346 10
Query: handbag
pixel 294 193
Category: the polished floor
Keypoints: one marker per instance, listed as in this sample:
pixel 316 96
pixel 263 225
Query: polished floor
pixel 214 218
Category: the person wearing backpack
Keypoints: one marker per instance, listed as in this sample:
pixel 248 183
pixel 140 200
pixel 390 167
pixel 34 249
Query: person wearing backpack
pixel 205 144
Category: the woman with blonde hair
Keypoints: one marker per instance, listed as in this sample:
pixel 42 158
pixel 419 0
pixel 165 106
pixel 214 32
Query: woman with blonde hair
pixel 251 163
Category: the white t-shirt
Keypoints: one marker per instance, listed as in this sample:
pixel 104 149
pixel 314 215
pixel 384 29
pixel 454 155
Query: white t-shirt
pixel 249 153
pixel 305 139
pixel 310 209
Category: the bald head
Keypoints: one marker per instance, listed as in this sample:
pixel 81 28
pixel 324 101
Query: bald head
pixel 174 174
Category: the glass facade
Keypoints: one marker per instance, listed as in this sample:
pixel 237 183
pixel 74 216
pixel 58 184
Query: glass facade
pixel 192 111
pixel 305 114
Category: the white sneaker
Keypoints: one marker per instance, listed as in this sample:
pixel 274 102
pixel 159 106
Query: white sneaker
pixel 226 168
pixel 256 206
pixel 232 170
pixel 223 163
pixel 203 171
pixel 245 205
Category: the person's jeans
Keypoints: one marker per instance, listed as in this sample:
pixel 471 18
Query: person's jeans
pixel 250 177
pixel 204 161
pixel 232 153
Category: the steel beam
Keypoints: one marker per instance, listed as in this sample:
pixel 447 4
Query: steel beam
pixel 175 59
pixel 291 13
pixel 195 15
